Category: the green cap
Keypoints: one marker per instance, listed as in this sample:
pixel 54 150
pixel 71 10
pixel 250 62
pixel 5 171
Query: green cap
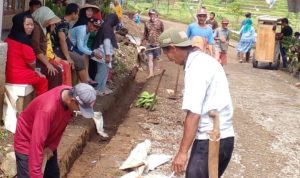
pixel 174 37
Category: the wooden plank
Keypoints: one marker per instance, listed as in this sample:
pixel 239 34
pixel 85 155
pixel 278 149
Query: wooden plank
pixel 265 45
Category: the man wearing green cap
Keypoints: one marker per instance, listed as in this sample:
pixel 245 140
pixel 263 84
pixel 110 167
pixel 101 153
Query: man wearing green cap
pixel 206 88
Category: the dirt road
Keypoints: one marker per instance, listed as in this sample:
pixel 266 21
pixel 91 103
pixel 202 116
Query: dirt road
pixel 266 122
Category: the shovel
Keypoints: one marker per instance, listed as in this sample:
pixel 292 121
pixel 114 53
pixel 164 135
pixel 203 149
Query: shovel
pixel 174 97
pixel 214 145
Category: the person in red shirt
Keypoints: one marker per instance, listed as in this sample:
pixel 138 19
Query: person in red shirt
pixel 41 125
pixel 20 64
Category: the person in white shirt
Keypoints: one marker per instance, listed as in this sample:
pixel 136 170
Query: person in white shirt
pixel 205 88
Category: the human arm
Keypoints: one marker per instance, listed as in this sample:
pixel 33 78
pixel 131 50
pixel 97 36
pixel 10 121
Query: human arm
pixel 40 131
pixel 28 56
pixel 146 34
pixel 162 27
pixel 107 49
pixel 36 43
pixel 81 40
pixel 64 48
pixel 189 133
pixel 193 98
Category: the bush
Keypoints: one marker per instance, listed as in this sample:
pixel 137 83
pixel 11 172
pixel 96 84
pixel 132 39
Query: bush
pixel 293 53
pixel 57 7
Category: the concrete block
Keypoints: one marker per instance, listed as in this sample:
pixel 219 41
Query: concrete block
pixel 3 51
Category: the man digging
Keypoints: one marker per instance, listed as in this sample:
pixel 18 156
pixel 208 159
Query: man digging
pixel 41 125
pixel 206 88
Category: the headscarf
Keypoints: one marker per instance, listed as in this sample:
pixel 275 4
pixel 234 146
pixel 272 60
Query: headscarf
pixel 247 25
pixel 106 31
pixel 17 31
pixel 42 15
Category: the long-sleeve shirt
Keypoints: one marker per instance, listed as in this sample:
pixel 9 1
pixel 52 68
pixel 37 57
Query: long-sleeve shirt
pixel 152 31
pixel 41 125
pixel 38 40
pixel 79 37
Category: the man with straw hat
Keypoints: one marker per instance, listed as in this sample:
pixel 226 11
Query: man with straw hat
pixel 221 36
pixel 200 33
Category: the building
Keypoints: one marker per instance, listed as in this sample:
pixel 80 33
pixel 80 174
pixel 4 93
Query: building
pixel 10 8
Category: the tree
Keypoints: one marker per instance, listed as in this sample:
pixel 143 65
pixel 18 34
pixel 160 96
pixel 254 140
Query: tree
pixel 235 9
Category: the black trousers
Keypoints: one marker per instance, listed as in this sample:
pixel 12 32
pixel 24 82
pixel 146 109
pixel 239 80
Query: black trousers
pixel 51 170
pixel 198 163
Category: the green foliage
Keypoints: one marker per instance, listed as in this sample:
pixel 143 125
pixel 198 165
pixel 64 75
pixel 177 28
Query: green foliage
pixel 58 10
pixel 293 53
pixel 235 9
pixel 105 7
pixel 119 67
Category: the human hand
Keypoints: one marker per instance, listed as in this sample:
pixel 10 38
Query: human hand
pixel 179 162
pixel 71 63
pixel 98 56
pixel 107 59
pixel 222 39
pixel 48 152
pixel 51 69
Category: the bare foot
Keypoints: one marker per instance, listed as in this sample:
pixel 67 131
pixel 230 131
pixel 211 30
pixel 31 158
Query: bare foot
pixel 150 76
pixel 297 84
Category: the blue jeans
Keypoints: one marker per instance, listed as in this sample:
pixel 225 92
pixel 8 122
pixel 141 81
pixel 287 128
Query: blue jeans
pixel 283 54
pixel 101 76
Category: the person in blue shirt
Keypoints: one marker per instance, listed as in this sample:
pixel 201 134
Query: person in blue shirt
pixel 79 36
pixel 137 18
pixel 200 32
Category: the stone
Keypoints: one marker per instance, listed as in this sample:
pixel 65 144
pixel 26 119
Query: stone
pixel 8 165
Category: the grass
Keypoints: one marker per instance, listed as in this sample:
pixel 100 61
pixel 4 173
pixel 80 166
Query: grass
pixel 183 12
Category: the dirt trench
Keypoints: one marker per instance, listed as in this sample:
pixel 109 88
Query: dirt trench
pixel 113 117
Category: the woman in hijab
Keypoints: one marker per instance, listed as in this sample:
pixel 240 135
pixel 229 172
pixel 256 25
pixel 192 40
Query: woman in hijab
pixel 247 39
pixel 44 17
pixel 20 64
pixel 105 42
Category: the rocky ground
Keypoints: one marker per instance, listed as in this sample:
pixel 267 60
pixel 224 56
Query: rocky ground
pixel 266 122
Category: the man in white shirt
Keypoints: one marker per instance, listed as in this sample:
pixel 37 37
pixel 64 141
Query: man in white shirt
pixel 206 88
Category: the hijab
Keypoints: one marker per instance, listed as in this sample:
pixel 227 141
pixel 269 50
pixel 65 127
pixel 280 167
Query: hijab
pixel 107 31
pixel 42 15
pixel 247 25
pixel 17 31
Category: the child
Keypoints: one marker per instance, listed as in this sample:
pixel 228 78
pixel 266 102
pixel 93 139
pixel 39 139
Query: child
pixel 221 36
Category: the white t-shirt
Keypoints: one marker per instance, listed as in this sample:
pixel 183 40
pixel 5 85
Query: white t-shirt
pixel 206 88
